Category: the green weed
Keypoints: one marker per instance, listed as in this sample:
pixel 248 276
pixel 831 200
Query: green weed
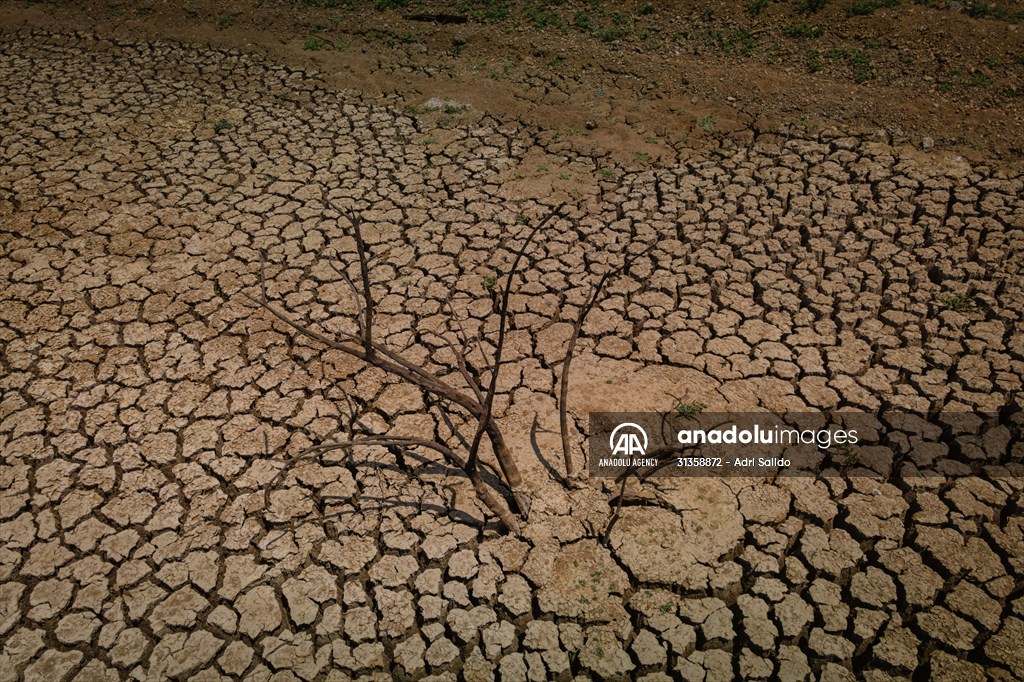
pixel 862 8
pixel 961 304
pixel 755 7
pixel 612 33
pixel 810 6
pixel 690 409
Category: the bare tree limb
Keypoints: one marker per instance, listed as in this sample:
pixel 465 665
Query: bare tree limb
pixel 487 496
pixel 364 271
pixel 505 460
pixel 563 391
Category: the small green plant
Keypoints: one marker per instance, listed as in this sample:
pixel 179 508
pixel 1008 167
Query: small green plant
pixel 611 34
pixel 542 168
pixel 653 139
pixel 221 125
pixel 430 140
pixel 690 409
pixel 501 75
pixel 645 9
pixel 801 31
pixel 486 11
pixel 225 21
pixel 488 282
pixel 667 607
pixel 607 173
pixel 542 15
pixel 980 79
pixel 862 8
pixel 708 123
pixel 810 6
pixel 755 7
pixel 814 61
pixel 861 64
pixel 556 62
pixel 583 21
pixel 564 176
pixel 457 48
pixel 960 304
pixel 981 10
pixel 642 157
pixel 314 43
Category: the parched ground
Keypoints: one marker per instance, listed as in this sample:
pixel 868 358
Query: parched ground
pixel 147 405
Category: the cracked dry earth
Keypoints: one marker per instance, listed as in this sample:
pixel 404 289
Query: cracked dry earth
pixel 147 405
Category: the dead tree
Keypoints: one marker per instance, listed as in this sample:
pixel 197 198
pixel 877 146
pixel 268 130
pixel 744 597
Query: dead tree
pixel 478 402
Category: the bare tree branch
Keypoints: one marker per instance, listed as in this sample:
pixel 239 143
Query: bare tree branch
pixel 487 496
pixel 563 394
pixel 364 271
pixel 508 465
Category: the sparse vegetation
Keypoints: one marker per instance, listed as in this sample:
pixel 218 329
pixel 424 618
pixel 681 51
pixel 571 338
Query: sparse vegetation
pixel 612 33
pixel 501 74
pixel 330 4
pixel 708 123
pixel 583 21
pixel 221 125
pixel 740 42
pixel 755 7
pixel 801 31
pixel 862 8
pixel 982 10
pixel 486 11
pixel 542 15
pixel 690 409
pixel 382 5
pixel 810 6
pixel 314 43
pixel 958 303
pixel 225 21
pixel 814 61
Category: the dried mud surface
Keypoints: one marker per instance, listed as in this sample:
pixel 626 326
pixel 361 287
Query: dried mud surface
pixel 147 405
